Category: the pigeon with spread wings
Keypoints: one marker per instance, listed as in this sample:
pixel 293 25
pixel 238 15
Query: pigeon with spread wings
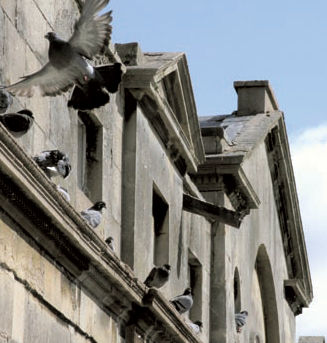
pixel 68 63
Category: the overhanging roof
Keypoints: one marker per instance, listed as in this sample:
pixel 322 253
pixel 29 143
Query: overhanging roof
pixel 161 83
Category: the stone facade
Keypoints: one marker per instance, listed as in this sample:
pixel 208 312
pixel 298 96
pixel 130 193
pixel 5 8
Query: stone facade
pixel 215 199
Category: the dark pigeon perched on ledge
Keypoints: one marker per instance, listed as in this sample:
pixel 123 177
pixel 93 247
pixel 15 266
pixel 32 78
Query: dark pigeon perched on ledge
pixel 93 214
pixel 110 243
pixel 183 302
pixel 18 123
pixel 158 276
pixel 68 63
pixel 5 100
pixel 53 163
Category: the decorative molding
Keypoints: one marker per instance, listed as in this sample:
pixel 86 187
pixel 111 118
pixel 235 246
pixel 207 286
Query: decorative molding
pixel 29 197
pixel 288 210
pixel 295 295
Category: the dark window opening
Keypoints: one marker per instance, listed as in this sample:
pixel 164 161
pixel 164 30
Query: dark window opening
pixel 160 213
pixel 89 159
pixel 237 292
pixel 195 282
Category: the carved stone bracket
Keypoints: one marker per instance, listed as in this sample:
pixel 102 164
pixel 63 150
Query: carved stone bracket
pixel 295 295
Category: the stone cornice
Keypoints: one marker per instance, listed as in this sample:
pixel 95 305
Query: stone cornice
pixel 172 114
pixel 30 198
pixel 169 130
pixel 288 208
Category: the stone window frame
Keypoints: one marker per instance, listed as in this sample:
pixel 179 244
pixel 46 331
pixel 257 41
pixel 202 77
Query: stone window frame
pixel 195 277
pixel 160 224
pixel 89 157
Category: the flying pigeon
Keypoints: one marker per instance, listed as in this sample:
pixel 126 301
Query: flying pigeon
pixel 240 320
pixel 5 100
pixel 63 191
pixel 110 242
pixel 158 276
pixel 92 95
pixel 196 326
pixel 18 123
pixel 183 302
pixel 93 215
pixel 53 163
pixel 68 63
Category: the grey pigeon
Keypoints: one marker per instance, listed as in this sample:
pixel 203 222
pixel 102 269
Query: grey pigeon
pixel 93 215
pixel 53 163
pixel 183 302
pixel 158 276
pixel 240 320
pixel 110 242
pixel 63 191
pixel 68 63
pixel 196 326
pixel 18 123
pixel 5 100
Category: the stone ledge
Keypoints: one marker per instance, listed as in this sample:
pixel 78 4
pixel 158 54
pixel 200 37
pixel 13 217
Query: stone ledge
pixel 30 197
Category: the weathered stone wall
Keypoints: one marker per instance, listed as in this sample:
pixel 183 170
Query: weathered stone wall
pixel 149 168
pixel 44 303
pixel 259 239
pixel 40 303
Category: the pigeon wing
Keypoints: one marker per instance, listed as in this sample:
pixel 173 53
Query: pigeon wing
pixel 240 319
pixel 49 80
pixel 92 32
pixel 182 303
pixel 150 277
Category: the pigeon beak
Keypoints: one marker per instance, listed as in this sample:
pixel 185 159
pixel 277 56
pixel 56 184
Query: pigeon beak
pixel 46 36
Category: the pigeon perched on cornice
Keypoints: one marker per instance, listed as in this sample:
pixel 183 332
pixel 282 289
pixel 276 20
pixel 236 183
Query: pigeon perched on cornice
pixel 53 163
pixel 110 242
pixel 5 100
pixel 196 326
pixel 18 123
pixel 68 63
pixel 93 215
pixel 240 320
pixel 158 276
pixel 183 302
pixel 63 191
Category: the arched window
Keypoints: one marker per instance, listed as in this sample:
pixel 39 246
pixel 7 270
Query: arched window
pixel 269 303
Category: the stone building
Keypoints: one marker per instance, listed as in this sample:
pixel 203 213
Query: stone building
pixel 214 197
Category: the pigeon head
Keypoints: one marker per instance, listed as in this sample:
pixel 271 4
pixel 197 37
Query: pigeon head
pixel 245 312
pixel 198 323
pixel 109 240
pixel 99 205
pixel 51 36
pixel 26 112
pixel 188 291
pixel 167 266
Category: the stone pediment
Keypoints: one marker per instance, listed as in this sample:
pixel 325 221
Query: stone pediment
pixel 229 140
pixel 161 84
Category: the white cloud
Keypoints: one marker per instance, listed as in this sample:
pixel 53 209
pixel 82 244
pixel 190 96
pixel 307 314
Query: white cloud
pixel 309 156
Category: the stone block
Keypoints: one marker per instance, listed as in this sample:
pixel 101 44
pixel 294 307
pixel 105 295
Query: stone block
pixel 312 339
pixel 6 301
pixel 28 14
pixel 17 334
pixel 9 7
pixel 13 63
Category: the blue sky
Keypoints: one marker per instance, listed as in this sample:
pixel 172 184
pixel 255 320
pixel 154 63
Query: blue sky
pixel 280 41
